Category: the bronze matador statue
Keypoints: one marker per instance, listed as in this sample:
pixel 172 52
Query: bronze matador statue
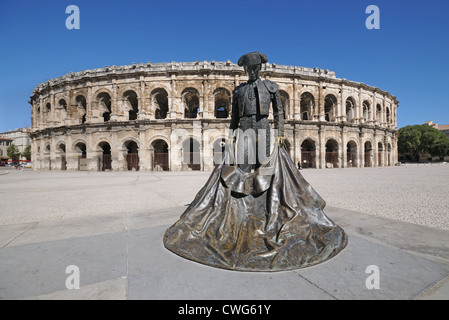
pixel 259 214
pixel 250 110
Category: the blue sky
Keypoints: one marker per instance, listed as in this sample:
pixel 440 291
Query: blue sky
pixel 408 56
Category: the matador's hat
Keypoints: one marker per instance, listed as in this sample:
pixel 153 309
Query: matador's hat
pixel 252 58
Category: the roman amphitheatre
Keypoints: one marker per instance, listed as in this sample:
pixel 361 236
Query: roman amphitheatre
pixel 175 117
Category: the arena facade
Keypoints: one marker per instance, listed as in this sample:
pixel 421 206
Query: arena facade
pixel 175 116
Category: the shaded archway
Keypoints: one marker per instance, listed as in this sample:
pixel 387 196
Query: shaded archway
pixel 105 160
pixel 389 154
pixel 366 111
pixel 160 155
pixel 331 157
pixel 368 151
pixel 131 104
pixel 219 150
pixel 81 150
pixel 191 101
pixel 380 151
pixel 191 154
pixel 132 156
pixel 159 99
pixel 306 106
pixel 351 154
pixel 330 107
pixel 222 103
pixel 350 109
pixel 308 154
pixel 285 101
pixel 61 150
pixel 104 105
pixel 81 105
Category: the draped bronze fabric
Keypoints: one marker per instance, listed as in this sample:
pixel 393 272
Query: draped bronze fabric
pixel 267 220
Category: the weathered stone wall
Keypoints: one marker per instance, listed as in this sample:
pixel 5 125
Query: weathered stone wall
pixel 104 114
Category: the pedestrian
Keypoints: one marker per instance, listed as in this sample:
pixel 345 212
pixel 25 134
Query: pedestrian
pixel 299 165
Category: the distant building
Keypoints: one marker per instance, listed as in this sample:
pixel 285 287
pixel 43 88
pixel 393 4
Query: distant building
pixel 443 128
pixel 19 137
pixel 4 144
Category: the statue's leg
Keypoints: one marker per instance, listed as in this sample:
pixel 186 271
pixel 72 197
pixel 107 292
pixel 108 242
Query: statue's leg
pixel 263 141
pixel 247 144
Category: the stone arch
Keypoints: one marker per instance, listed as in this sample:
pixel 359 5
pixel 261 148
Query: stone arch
pixel 378 113
pixel 191 152
pixel 350 107
pixel 308 153
pixel 351 153
pixel 222 103
pixel 191 102
pixel 104 104
pixel 330 107
pixel 368 150
pixel 331 155
pixel 218 147
pixel 130 101
pixel 160 154
pixel 307 106
pixel 105 157
pixel 285 100
pixel 81 104
pixel 366 111
pixel 159 103
pixel 131 152
pixel 380 152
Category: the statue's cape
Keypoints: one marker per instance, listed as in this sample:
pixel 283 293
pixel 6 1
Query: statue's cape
pixel 268 220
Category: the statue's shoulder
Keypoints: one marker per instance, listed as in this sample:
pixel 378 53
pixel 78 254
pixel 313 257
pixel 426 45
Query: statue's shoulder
pixel 271 86
pixel 236 89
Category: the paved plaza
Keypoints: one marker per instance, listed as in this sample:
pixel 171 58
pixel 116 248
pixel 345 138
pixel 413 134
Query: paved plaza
pixel 110 225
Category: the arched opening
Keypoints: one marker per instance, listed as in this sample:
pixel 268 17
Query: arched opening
pixel 191 154
pixel 388 115
pixel 368 151
pixel 308 154
pixel 285 101
pixel 160 155
pixel 219 150
pixel 104 104
pixel 105 160
pixel 350 109
pixel 366 111
pixel 81 106
pixel 388 154
pixel 131 104
pixel 80 149
pixel 62 152
pixel 331 157
pixel 380 151
pixel 191 101
pixel 330 106
pixel 351 154
pixel 132 156
pixel 306 106
pixel 62 104
pixel 160 103
pixel 222 103
pixel 379 114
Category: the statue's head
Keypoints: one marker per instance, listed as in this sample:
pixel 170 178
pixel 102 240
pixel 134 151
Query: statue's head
pixel 252 63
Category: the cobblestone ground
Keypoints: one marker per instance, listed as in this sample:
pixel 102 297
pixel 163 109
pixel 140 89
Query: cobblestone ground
pixel 416 194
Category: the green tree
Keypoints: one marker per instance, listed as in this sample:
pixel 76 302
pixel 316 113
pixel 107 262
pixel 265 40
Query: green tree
pixel 27 152
pixel 422 139
pixel 13 152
